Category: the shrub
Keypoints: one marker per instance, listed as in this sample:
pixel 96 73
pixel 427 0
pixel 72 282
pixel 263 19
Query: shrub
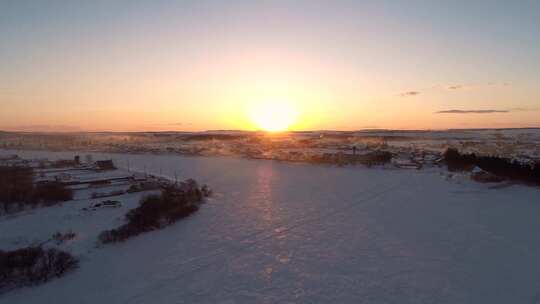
pixel 33 265
pixel 158 211
pixel 64 163
pixel 17 189
pixel 52 192
pixel 373 158
pixel 458 162
pixel 60 238
pixel 499 166
pixel 15 186
pixel 377 158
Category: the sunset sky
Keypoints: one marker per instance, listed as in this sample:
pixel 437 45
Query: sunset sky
pixel 200 65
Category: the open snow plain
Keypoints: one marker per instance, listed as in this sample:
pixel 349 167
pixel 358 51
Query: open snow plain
pixel 298 233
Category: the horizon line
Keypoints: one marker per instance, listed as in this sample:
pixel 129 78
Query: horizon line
pixel 263 131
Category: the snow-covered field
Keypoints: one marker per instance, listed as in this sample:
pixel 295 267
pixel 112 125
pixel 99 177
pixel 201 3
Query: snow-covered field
pixel 298 233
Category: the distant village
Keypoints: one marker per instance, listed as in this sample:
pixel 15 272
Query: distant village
pixel 402 149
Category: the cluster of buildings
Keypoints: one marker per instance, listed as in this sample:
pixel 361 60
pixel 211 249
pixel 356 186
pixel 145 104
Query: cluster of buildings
pixel 408 149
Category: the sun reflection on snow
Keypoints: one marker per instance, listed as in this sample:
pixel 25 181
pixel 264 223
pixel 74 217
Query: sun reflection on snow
pixel 261 197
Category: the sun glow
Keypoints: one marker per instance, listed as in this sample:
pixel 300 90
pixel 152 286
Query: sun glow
pixel 273 116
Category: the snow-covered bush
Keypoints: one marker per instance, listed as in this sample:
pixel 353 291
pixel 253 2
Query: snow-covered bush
pixel 499 166
pixel 33 265
pixel 60 237
pixel 158 211
pixel 206 191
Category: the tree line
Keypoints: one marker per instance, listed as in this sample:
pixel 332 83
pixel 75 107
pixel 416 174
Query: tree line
pixel 19 190
pixel 500 166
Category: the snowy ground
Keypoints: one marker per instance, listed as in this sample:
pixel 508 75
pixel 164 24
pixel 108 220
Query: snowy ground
pixel 299 233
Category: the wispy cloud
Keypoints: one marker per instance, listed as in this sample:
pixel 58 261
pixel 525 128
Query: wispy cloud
pixel 471 111
pixel 172 124
pixel 409 93
pixel 490 111
pixel 478 85
pixel 455 87
pixel 523 109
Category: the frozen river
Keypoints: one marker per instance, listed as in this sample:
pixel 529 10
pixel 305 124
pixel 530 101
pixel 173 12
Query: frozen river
pixel 299 233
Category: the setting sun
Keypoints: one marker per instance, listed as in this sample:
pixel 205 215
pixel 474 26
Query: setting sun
pixel 273 116
pixel 272 144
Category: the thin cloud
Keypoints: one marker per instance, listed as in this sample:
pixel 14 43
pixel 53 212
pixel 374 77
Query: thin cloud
pixel 468 86
pixel 173 124
pixel 455 87
pixel 523 109
pixel 471 111
pixel 499 84
pixel 409 93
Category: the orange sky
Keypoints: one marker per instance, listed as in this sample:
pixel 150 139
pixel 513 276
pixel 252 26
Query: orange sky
pixel 203 65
